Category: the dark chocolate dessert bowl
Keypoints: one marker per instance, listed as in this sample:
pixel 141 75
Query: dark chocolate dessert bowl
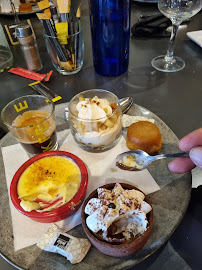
pixel 116 240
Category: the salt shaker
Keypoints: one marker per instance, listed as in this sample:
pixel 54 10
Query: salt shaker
pixel 29 47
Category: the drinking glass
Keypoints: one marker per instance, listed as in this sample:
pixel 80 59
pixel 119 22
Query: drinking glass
pixel 177 11
pixel 31 120
pixel 91 132
pixel 6 56
pixel 66 52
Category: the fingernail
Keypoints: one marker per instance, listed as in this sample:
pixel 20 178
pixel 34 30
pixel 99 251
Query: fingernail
pixel 170 164
pixel 196 155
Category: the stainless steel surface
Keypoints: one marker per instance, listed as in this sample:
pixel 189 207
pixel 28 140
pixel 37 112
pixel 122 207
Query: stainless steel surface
pixel 23 31
pixel 141 159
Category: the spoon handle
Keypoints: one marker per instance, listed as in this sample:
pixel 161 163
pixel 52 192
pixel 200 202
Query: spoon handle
pixel 182 154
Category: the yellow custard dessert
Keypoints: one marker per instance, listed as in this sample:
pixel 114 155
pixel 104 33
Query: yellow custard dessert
pixel 48 183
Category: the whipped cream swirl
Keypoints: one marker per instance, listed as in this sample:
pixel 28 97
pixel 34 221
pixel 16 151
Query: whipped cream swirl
pixel 117 211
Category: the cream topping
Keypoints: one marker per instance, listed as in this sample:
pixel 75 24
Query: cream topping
pixel 93 109
pixel 125 207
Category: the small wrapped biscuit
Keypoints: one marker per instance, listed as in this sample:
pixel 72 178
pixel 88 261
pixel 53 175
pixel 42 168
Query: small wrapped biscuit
pixel 74 249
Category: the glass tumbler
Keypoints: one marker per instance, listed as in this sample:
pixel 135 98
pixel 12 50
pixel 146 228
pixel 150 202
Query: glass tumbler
pixel 95 119
pixel 66 52
pixel 6 56
pixel 31 119
pixel 110 32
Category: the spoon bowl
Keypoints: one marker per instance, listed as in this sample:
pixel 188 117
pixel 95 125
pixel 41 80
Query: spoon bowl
pixel 138 160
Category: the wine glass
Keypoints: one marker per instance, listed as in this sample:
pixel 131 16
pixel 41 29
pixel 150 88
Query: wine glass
pixel 177 11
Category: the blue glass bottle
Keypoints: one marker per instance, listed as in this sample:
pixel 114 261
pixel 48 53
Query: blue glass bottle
pixel 110 32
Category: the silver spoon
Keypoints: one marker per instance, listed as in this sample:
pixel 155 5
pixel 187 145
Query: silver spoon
pixel 139 160
pixel 125 104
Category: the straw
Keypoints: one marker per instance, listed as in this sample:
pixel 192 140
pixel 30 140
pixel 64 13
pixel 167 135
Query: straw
pixel 77 29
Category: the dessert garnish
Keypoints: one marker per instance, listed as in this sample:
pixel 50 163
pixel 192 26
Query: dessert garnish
pixel 118 215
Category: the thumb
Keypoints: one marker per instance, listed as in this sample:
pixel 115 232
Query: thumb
pixel 196 156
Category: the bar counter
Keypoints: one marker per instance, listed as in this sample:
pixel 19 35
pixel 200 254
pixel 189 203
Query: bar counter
pixel 174 97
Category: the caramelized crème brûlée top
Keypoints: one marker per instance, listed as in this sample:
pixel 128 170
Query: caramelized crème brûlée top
pixel 48 183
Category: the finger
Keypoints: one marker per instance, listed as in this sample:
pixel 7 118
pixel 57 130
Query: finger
pixel 191 140
pixel 181 165
pixel 196 156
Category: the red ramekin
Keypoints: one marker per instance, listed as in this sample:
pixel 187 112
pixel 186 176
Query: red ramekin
pixel 63 211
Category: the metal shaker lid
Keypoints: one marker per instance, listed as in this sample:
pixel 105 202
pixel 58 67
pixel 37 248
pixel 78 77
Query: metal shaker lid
pixel 23 30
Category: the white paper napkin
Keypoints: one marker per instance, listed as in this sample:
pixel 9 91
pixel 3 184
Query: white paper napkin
pixel 196 36
pixel 102 170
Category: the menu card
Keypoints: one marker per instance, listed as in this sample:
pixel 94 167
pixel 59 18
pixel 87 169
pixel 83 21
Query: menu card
pixel 101 169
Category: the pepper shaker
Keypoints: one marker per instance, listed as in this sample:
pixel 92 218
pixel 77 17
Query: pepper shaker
pixel 29 47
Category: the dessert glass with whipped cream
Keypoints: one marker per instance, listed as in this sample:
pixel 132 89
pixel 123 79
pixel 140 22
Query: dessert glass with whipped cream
pixel 95 119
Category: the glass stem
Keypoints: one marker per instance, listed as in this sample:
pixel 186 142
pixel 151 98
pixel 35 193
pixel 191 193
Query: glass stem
pixel 169 54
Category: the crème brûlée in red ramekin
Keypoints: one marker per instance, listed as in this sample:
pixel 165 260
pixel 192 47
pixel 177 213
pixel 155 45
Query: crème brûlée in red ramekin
pixel 50 186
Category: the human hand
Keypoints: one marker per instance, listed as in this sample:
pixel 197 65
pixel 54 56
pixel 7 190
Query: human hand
pixel 191 143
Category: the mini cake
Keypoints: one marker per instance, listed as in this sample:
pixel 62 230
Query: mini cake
pixel 144 135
